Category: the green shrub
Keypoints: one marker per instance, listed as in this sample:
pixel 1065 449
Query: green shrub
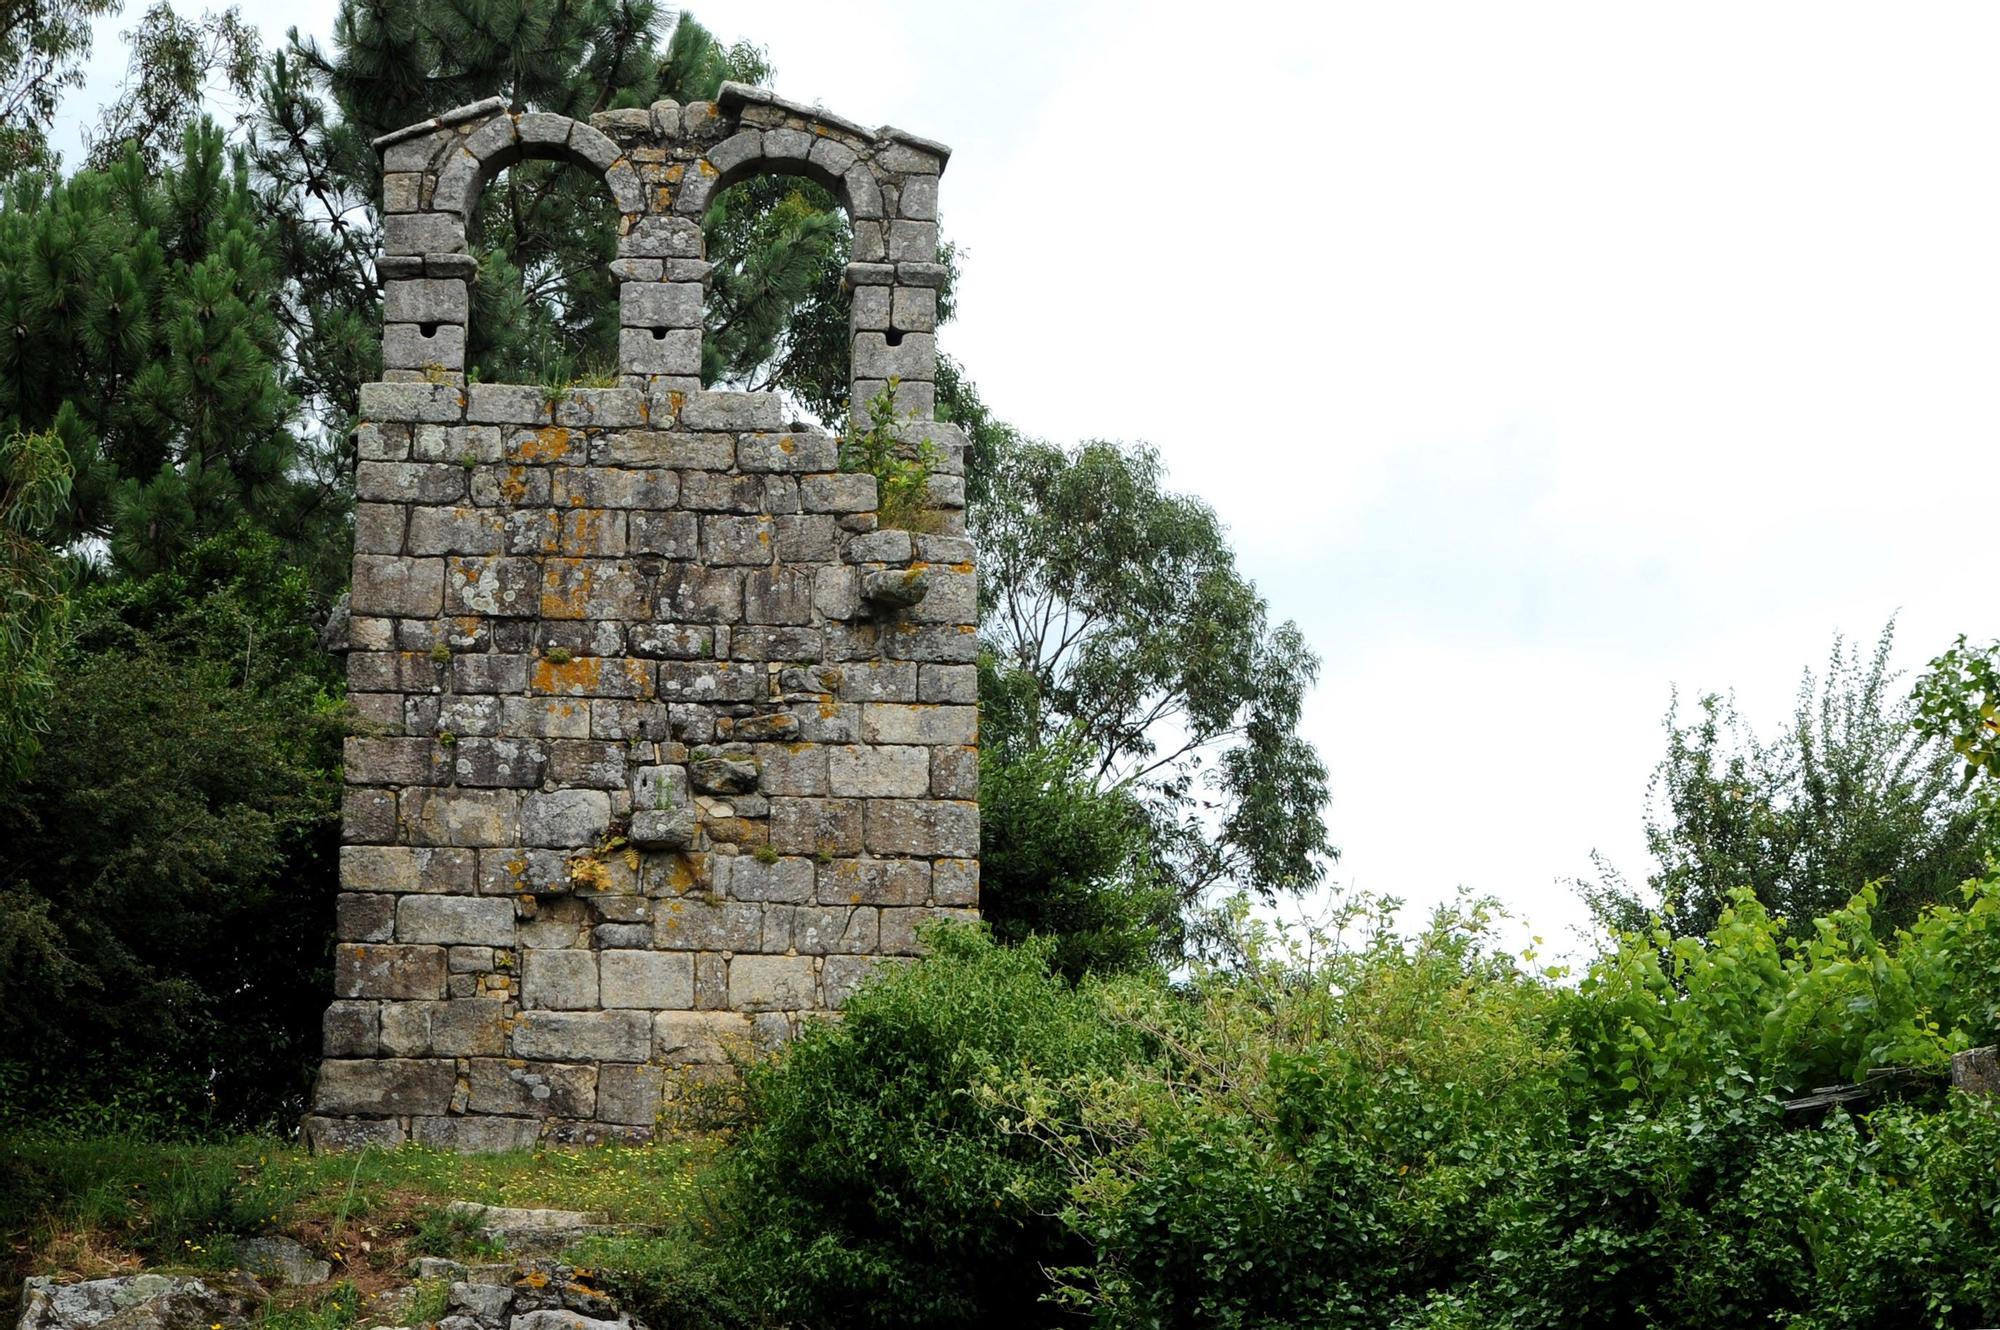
pixel 882 1182
pixel 167 873
pixel 1062 859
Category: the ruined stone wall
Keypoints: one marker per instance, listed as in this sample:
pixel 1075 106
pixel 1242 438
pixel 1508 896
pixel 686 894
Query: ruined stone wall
pixel 664 741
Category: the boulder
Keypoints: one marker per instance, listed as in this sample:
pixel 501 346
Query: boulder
pixel 281 1260
pixel 140 1302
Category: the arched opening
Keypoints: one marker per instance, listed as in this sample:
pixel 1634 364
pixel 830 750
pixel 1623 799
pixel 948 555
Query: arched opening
pixel 545 306
pixel 777 314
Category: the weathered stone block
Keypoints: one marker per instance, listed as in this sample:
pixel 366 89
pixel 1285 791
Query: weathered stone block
pixel 807 538
pixel 732 411
pixel 771 983
pixel 837 492
pixel 473 920
pixel 352 1029
pixel 841 975
pixel 565 818
pixel 923 723
pixel 468 1029
pixel 532 1089
pixel 384 1087
pixel 955 882
pixel 364 918
pixel 787 453
pixel 701 1038
pixel 397 586
pixel 816 826
pixel 819 930
pixel 628 1094
pixel 698 925
pixel 481 1135
pixel 879 772
pixel 693 594
pixel 371 970
pixel 647 980
pixel 605 1036
pixel 736 540
pixel 948 683
pixel 563 980
pixel 874 882
pixel 784 880
pixel 778 595
pixel 492 763
pixel 923 826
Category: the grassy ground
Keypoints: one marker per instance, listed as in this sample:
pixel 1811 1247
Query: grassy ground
pixel 94 1207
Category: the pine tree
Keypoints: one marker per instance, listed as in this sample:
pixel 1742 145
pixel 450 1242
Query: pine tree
pixel 34 606
pixel 139 308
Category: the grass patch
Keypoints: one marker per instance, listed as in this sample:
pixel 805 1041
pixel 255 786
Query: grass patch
pixel 98 1206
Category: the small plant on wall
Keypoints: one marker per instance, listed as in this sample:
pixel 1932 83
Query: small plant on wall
pixel 902 481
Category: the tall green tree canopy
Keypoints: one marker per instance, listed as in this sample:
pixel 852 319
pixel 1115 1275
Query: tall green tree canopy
pixel 43 44
pixel 1119 622
pixel 1849 793
pixel 139 305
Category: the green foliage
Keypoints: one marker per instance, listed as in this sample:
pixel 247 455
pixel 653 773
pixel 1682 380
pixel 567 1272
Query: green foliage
pixel 672 1281
pixel 1118 608
pixel 43 47
pixel 877 1186
pixel 1958 702
pixel 778 308
pixel 1347 1127
pixel 1852 792
pixel 174 67
pixel 168 869
pixel 34 600
pixel 1063 859
pixel 145 340
pixel 902 470
pixel 338 1308
pixel 1744 1012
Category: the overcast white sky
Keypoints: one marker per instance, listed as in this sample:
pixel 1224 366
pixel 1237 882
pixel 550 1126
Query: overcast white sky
pixel 1538 356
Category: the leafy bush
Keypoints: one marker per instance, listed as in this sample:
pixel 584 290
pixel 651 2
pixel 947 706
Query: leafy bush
pixel 1351 1128
pixel 1064 859
pixel 167 874
pixel 881 1182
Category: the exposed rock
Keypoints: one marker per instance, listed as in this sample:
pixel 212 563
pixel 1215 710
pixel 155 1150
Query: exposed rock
pixel 894 588
pixel 283 1260
pixel 1977 1070
pixel 664 828
pixel 723 775
pixel 519 1230
pixel 140 1302
pixel 531 1295
pixel 336 636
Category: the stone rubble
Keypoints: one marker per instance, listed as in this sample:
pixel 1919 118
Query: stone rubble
pixel 140 1302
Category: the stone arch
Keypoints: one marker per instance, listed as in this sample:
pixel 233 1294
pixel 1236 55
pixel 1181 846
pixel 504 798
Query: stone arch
pixel 434 174
pixel 663 166
pixel 886 182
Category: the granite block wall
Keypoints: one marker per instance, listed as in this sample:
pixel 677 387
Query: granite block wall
pixel 663 741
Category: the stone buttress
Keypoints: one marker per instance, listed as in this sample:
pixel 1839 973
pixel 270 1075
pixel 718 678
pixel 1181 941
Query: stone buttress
pixel 662 741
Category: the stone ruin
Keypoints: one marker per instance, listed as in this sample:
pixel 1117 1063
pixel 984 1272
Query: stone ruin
pixel 664 740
